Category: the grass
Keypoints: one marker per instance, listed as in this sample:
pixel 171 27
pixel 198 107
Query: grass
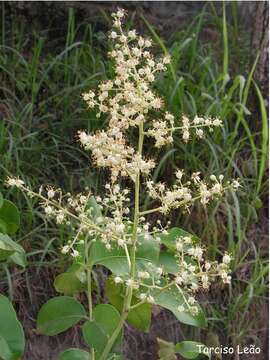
pixel 234 152
pixel 41 108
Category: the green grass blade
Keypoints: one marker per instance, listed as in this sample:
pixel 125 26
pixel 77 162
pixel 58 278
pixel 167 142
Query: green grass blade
pixel 264 147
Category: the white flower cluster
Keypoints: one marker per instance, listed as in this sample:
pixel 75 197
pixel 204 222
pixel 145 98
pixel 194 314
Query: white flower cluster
pixel 162 130
pixel 184 194
pixel 197 124
pixel 14 182
pixel 114 225
pixel 194 273
pixel 128 99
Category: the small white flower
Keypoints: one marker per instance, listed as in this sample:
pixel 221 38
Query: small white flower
pixel 179 280
pixel 143 275
pixel 181 308
pixel 50 193
pixel 120 228
pixel 217 122
pixel 150 299
pixel 167 59
pixel 75 253
pixel 143 296
pixel 200 133
pixel 179 174
pixel 194 310
pixel 65 249
pixel 121 242
pixel 118 280
pixel 132 34
pixel 60 217
pixel 113 35
pixel 226 259
pixel 235 184
pixel 147 43
pixel 48 210
pixel 141 42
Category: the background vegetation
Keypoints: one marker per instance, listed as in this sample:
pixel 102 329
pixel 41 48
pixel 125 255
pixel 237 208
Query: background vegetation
pixel 46 63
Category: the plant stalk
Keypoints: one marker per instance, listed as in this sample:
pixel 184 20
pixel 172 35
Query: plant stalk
pixel 129 291
pixel 89 289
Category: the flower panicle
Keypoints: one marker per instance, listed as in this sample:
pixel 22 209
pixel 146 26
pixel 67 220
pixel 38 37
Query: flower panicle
pixel 129 101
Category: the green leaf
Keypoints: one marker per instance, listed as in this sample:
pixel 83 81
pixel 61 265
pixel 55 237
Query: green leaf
pixel 148 248
pixel 171 299
pixel 5 352
pixel 139 317
pixel 19 258
pixel 3 227
pixel 59 314
pixel 115 259
pixel 166 350
pixel 12 339
pixel 1 200
pixel 11 249
pixel 168 262
pixel 96 333
pixel 190 349
pixel 69 282
pixel 9 213
pixel 5 250
pixel 169 239
pixel 74 354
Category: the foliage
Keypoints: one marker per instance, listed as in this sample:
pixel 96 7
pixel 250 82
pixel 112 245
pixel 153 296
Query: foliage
pixel 11 332
pixel 187 349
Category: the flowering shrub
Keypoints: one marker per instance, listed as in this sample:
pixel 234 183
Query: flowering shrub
pixel 113 230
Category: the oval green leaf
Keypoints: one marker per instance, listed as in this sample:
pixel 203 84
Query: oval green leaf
pixel 59 314
pixel 169 239
pixel 10 215
pixel 3 227
pixel 74 354
pixel 5 352
pixel 190 349
pixel 115 259
pixel 68 283
pixel 12 339
pixel 9 248
pixel 171 299
pixel 97 332
pixel 5 250
pixel 168 262
pixel 166 350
